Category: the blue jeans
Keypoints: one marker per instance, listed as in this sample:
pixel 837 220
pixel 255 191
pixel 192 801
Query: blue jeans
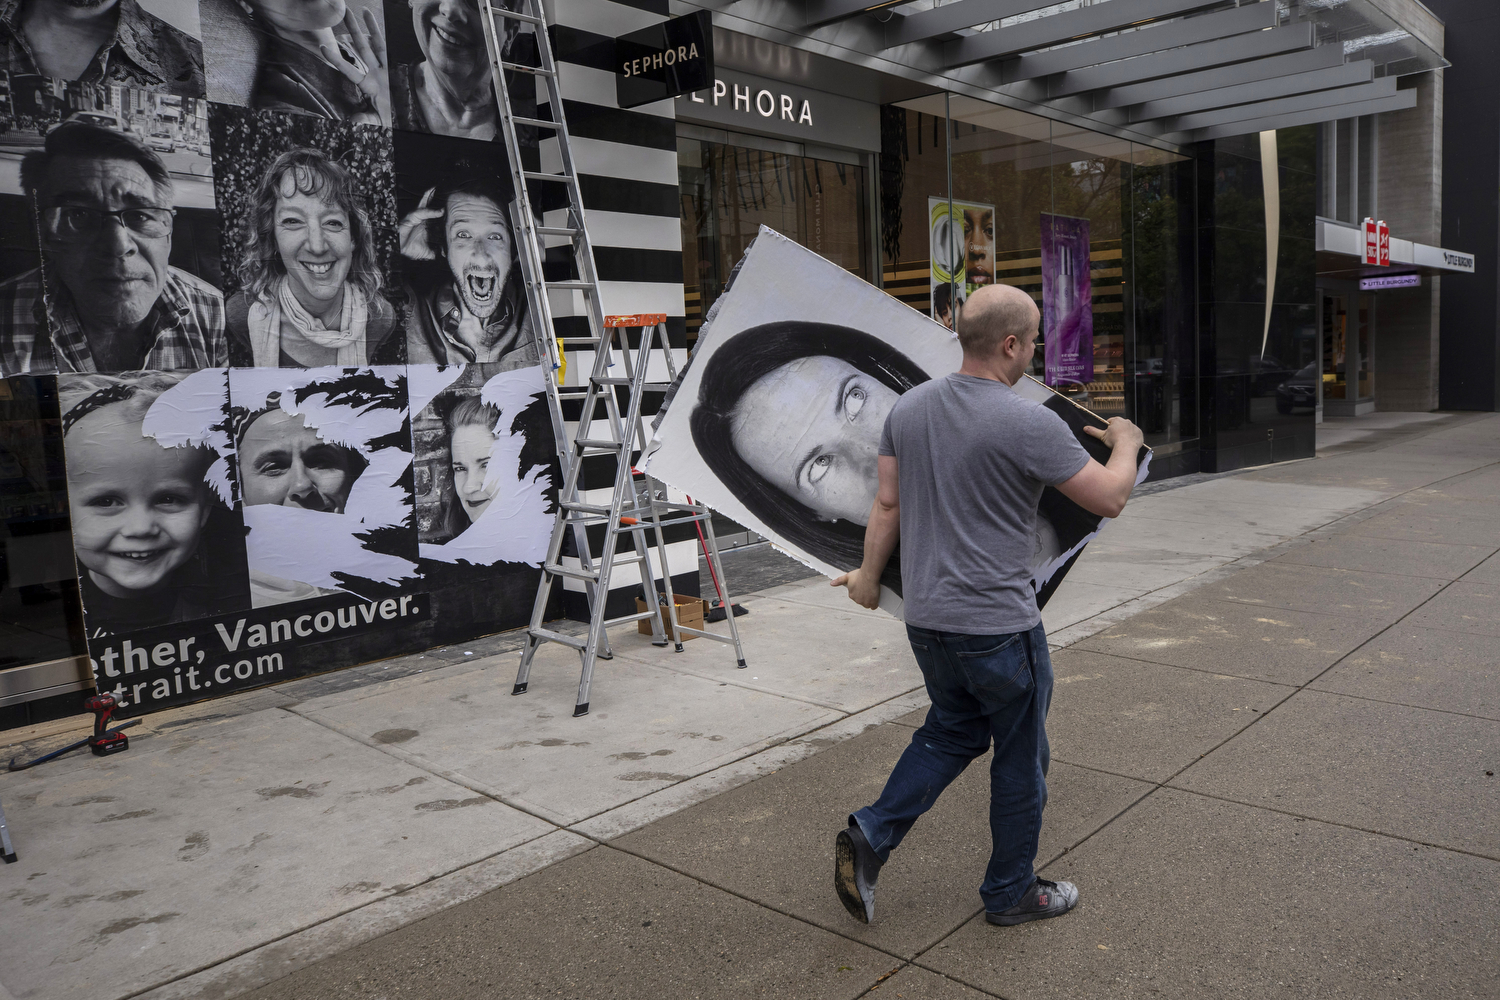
pixel 982 687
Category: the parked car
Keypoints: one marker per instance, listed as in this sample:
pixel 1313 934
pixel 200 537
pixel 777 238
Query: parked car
pixel 161 142
pixel 1299 390
pixel 106 119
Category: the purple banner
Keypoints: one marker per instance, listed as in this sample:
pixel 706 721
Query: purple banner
pixel 1067 301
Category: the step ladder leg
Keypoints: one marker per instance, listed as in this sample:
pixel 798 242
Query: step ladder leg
pixel 727 604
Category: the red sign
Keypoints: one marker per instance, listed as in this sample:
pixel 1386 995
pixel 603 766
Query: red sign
pixel 1377 243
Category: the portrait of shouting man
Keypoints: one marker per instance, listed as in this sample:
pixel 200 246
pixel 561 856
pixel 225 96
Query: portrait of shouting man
pixel 104 205
pixel 476 312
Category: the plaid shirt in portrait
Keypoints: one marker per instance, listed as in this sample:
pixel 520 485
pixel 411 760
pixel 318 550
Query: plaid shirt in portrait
pixel 186 327
pixel 145 52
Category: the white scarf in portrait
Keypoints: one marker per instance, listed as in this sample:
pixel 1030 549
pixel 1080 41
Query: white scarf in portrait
pixel 278 302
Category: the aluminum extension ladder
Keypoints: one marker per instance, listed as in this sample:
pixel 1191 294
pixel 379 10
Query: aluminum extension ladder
pixel 630 511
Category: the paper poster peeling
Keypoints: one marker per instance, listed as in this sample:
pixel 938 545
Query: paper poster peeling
pixel 493 505
pixel 155 528
pixel 797 337
pixel 325 467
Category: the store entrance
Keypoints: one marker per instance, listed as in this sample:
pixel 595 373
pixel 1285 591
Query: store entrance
pixel 730 191
pixel 1348 353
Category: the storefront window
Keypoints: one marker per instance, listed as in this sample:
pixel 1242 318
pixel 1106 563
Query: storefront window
pixel 40 619
pixel 1095 229
pixel 728 192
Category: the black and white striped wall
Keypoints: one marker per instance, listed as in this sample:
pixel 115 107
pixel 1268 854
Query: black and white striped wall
pixel 627 162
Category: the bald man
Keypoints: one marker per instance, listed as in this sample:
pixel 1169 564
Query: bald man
pixel 963 462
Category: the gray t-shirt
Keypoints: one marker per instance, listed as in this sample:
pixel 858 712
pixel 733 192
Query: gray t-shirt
pixel 973 458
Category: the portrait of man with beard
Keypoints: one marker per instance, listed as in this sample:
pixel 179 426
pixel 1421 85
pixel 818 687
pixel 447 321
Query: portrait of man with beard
pixel 474 309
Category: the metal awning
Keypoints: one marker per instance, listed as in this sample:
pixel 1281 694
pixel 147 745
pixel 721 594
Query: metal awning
pixel 1174 71
pixel 1341 254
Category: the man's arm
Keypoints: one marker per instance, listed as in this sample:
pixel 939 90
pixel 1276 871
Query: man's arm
pixel 1103 489
pixel 881 535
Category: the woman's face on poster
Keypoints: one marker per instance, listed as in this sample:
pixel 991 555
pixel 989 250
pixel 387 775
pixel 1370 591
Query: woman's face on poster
pixel 471 461
pixel 316 243
pixel 812 429
pixel 979 246
pixel 137 508
pixel 284 462
pixel 450 36
pixel 299 15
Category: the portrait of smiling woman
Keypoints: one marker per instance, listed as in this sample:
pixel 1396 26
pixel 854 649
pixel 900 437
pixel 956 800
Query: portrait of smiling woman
pixel 310 286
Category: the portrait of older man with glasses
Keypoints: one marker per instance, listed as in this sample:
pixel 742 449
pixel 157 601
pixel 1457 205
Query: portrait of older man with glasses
pixel 105 289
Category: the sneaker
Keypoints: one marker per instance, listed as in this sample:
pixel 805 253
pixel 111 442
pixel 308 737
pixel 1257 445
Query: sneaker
pixel 1044 899
pixel 855 869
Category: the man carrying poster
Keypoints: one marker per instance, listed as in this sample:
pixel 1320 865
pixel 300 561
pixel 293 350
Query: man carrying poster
pixel 963 462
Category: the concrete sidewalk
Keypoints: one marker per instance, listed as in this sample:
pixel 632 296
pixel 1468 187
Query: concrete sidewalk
pixel 1277 705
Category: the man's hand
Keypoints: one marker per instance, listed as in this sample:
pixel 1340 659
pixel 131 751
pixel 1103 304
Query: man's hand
pixel 864 589
pixel 412 232
pixel 1120 432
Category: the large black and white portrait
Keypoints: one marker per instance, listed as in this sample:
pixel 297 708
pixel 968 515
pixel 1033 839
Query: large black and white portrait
pixel 441 81
pixel 486 464
pixel 486 475
pixel 324 458
pixel 777 420
pixel 148 44
pixel 111 245
pixel 459 254
pixel 309 265
pixel 156 522
pixel 325 58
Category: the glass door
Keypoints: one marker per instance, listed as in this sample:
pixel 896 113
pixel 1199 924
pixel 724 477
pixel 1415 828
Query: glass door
pixel 1335 347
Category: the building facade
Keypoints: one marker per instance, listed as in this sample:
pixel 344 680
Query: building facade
pixel 1185 177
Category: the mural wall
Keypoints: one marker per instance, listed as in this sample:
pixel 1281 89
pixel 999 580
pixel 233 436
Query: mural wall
pixel 265 251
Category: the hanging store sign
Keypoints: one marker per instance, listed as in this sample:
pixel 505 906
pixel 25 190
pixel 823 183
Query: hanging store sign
pixel 1377 243
pixel 747 103
pixel 1392 281
pixel 665 60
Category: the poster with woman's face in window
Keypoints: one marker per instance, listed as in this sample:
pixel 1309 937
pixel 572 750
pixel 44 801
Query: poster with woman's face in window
pixel 777 422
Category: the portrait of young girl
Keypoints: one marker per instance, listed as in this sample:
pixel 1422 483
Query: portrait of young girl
pixel 154 540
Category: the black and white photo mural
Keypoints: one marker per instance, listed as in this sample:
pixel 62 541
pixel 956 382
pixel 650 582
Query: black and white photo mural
pixel 777 421
pixel 265 254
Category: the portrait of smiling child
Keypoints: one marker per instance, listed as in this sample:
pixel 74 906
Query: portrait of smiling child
pixel 139 509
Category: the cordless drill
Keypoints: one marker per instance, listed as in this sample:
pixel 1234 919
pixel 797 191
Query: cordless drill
pixel 103 742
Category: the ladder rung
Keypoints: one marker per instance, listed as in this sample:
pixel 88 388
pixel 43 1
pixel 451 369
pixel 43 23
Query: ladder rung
pixel 596 443
pixel 578 340
pixel 558 230
pixel 582 574
pixel 637 616
pixel 551 636
pixel 536 122
pixel 517 15
pixel 582 286
pixel 533 70
pixel 542 175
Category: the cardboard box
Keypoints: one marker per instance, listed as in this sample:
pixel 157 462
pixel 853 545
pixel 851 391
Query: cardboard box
pixel 690 612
